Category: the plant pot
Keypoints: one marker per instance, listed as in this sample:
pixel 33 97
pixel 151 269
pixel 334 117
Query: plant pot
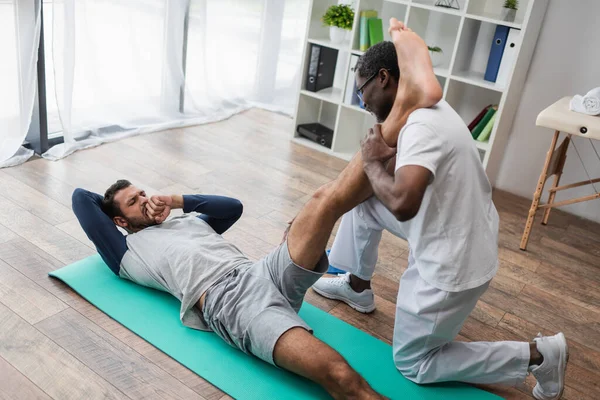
pixel 437 57
pixel 509 14
pixel 336 34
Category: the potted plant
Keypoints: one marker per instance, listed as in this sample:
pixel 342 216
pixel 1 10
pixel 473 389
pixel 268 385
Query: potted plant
pixel 339 18
pixel 436 54
pixel 510 9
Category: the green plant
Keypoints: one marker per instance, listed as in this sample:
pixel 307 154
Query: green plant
pixel 340 15
pixel 435 49
pixel 512 4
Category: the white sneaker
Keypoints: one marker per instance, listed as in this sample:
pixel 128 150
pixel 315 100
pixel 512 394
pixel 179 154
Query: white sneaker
pixel 550 374
pixel 339 289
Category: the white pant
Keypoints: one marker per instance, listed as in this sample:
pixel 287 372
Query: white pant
pixel 427 319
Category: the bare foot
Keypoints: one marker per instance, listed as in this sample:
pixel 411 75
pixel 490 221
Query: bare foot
pixel 418 86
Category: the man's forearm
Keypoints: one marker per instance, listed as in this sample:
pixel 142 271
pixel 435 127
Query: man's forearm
pixel 382 183
pixel 177 201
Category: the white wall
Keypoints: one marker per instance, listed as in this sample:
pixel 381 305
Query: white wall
pixel 566 61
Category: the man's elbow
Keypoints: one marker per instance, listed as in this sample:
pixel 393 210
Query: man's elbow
pixel 79 195
pixel 404 211
pixel 239 209
pixel 235 209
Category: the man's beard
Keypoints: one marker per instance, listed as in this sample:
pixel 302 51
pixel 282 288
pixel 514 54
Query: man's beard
pixel 137 224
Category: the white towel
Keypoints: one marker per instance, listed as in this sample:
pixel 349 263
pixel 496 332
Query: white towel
pixel 588 104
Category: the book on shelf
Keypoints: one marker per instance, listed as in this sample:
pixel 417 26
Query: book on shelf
pixel 513 43
pixel 478 118
pixel 496 52
pixel 481 124
pixel 485 133
pixel 375 31
pixel 364 28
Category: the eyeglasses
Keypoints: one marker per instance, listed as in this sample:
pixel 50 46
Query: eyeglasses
pixel 359 91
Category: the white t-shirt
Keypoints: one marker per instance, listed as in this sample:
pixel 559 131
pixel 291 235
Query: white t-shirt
pixel 454 236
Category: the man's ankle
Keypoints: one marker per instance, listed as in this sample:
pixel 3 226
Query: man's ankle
pixel 535 357
pixel 359 285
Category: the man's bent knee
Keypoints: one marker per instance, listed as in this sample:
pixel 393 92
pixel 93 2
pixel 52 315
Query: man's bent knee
pixel 410 368
pixel 327 197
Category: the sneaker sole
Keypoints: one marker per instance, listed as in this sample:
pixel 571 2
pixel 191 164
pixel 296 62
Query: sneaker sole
pixel 357 307
pixel 563 360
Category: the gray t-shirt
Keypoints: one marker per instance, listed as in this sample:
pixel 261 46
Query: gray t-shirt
pixel 183 256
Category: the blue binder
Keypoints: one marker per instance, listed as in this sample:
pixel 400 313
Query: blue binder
pixel 493 65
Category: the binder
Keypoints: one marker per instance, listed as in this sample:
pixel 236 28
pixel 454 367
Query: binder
pixel 364 28
pixel 350 96
pixel 485 133
pixel 496 52
pixel 486 118
pixel 375 31
pixel 478 118
pixel 321 68
pixel 513 43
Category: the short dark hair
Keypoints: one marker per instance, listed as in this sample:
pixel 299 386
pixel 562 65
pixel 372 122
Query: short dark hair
pixel 109 205
pixel 381 55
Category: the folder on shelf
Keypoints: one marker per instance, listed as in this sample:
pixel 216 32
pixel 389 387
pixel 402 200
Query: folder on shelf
pixel 513 43
pixel 350 96
pixel 486 118
pixel 364 28
pixel 496 51
pixel 478 118
pixel 375 31
pixel 485 133
pixel 321 68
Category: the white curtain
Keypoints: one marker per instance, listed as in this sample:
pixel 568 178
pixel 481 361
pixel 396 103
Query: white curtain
pixel 19 38
pixel 115 67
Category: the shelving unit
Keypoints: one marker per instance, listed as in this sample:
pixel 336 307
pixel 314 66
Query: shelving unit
pixel 465 37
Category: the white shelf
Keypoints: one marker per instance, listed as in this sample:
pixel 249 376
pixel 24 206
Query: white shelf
pixel 485 146
pixel 356 108
pixel 441 72
pixel 493 19
pixel 343 46
pixel 331 94
pixel 442 10
pixel 465 35
pixel 476 78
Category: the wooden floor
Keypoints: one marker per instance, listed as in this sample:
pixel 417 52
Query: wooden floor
pixel 53 344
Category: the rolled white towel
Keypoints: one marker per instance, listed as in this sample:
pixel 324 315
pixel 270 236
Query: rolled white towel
pixel 588 104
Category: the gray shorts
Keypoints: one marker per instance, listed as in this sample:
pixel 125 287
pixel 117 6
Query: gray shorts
pixel 253 305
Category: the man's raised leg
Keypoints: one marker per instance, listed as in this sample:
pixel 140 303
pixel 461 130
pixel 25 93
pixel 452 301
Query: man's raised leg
pixel 417 88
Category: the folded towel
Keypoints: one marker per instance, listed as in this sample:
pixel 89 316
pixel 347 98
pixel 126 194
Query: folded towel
pixel 588 104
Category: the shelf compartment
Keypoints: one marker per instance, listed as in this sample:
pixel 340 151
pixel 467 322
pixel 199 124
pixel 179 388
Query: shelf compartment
pixel 353 124
pixel 317 30
pixel 468 101
pixel 385 11
pixel 333 93
pixel 437 29
pixel 473 53
pixel 493 11
pixel 311 110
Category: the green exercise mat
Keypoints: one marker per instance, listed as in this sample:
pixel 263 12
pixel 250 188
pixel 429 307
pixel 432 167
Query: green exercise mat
pixel 154 316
